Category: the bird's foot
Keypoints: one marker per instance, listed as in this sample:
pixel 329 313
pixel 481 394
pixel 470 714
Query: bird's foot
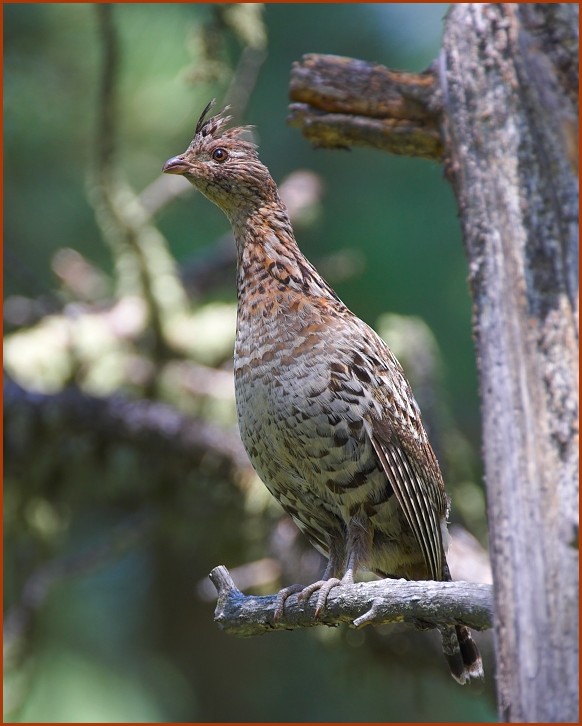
pixel 282 596
pixel 324 587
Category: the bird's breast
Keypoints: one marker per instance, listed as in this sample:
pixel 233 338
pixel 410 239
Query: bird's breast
pixel 299 419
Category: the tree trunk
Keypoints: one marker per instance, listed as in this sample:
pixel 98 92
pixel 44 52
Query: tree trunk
pixel 509 83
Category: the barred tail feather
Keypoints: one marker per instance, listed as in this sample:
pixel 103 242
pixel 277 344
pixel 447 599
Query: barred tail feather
pixel 461 653
pixel 469 652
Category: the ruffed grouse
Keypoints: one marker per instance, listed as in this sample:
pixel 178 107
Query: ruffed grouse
pixel 325 412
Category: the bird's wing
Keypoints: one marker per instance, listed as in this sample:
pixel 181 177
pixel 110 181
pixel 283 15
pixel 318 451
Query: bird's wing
pixel 413 472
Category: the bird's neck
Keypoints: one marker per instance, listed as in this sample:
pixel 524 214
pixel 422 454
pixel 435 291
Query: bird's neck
pixel 268 258
pixel 263 230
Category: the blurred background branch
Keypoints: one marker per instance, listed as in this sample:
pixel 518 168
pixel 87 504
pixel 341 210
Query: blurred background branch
pixel 138 247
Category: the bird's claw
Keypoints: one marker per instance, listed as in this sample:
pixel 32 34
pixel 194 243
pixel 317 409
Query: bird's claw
pixel 282 596
pixel 324 587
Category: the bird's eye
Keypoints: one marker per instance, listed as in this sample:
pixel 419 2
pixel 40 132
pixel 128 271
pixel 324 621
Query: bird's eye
pixel 220 155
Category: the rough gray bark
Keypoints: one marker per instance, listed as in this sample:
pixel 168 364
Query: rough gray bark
pixel 509 86
pixel 343 102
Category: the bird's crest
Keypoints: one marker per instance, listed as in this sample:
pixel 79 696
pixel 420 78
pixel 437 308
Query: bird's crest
pixel 214 126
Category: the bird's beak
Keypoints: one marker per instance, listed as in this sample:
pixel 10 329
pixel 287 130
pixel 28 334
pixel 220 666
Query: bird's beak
pixel 175 165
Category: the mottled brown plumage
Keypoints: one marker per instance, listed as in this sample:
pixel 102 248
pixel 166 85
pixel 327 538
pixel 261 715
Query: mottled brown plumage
pixel 325 412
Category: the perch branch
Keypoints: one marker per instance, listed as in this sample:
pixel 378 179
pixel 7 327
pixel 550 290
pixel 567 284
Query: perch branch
pixel 378 602
pixel 342 102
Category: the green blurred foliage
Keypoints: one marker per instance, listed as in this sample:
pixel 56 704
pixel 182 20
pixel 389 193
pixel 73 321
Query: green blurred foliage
pixel 131 641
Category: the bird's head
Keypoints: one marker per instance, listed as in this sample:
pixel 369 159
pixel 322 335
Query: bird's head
pixel 224 166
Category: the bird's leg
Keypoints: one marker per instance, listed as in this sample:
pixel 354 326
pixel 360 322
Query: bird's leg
pixel 334 565
pixel 325 585
pixel 359 541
